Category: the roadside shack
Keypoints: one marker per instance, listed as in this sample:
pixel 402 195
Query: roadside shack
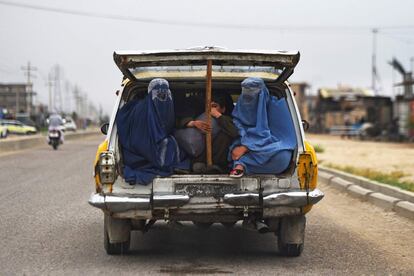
pixel 343 107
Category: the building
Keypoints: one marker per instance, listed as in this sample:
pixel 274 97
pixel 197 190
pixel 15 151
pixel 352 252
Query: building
pixel 17 98
pixel 347 106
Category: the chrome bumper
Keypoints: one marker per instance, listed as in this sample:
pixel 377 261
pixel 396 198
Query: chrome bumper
pixel 293 199
pixel 285 199
pixel 118 203
pixel 123 203
pixel 289 199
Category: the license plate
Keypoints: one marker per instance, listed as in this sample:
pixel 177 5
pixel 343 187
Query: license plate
pixel 54 135
pixel 205 189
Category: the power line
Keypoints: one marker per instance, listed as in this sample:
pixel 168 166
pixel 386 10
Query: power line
pixel 200 24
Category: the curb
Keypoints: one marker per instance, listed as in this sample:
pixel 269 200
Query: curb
pixel 371 184
pixel 32 142
pixel 405 209
pixel 399 205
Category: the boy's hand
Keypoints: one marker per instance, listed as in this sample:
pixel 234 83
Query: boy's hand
pixel 201 125
pixel 215 113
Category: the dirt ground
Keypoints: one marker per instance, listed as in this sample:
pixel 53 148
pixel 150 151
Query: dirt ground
pixel 380 156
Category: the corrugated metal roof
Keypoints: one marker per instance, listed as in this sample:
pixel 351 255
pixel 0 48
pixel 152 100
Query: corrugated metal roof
pixel 344 92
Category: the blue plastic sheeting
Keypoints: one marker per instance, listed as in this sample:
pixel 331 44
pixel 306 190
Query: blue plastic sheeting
pixel 266 128
pixel 144 129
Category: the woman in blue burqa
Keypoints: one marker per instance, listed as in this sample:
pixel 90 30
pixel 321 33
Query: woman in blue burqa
pixel 144 129
pixel 267 134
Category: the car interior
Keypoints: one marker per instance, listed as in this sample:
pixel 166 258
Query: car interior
pixel 189 100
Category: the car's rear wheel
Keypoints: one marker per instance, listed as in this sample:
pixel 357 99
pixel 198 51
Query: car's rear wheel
pixel 291 236
pixel 122 229
pixel 290 249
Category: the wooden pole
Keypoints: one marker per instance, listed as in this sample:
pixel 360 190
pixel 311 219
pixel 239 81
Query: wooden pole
pixel 209 152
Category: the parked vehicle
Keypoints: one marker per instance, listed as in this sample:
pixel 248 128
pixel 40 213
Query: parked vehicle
pixel 266 203
pixel 69 124
pixel 25 119
pixel 16 127
pixel 3 131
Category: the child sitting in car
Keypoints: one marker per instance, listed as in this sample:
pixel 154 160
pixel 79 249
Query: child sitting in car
pixel 224 135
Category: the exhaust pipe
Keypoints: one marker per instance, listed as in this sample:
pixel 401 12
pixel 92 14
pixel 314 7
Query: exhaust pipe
pixel 255 226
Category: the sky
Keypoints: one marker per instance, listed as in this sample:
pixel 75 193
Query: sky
pixel 334 38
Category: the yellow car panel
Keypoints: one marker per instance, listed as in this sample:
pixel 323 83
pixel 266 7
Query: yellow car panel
pixel 20 129
pixel 101 148
pixel 308 171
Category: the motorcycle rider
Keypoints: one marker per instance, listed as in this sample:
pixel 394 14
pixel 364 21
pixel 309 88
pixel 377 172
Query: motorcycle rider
pixel 55 122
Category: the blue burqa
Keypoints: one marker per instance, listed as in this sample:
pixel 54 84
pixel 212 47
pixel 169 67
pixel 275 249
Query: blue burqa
pixel 265 127
pixel 144 129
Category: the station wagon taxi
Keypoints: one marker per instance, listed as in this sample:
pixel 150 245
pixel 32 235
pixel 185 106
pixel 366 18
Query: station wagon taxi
pixel 266 203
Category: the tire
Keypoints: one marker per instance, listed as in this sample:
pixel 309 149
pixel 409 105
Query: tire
pixel 114 248
pixel 291 236
pixel 54 145
pixel 289 249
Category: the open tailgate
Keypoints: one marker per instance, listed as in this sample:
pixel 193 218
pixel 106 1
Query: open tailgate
pixel 283 60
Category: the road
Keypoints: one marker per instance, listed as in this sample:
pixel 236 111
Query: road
pixel 47 227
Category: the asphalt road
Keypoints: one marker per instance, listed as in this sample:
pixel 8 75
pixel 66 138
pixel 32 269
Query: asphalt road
pixel 47 227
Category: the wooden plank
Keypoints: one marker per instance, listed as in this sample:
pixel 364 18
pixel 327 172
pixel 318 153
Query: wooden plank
pixel 209 151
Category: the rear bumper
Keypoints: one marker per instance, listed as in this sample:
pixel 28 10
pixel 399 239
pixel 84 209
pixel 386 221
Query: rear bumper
pixel 294 199
pixel 288 199
pixel 118 204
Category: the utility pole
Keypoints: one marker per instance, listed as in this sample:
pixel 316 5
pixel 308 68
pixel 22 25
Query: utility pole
pixel 68 98
pixel 28 72
pixel 57 93
pixel 412 66
pixel 50 84
pixel 374 60
pixel 76 96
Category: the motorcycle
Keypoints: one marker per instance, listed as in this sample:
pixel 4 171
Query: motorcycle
pixel 54 137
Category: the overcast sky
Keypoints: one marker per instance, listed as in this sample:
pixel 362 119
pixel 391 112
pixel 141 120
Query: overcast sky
pixel 83 46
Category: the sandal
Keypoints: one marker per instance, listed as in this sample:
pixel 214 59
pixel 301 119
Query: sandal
pixel 236 173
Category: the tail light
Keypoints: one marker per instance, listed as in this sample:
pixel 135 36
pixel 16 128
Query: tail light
pixel 107 171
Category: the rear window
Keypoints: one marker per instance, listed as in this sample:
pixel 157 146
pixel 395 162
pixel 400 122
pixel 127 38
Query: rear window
pixel 216 68
pixel 199 72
